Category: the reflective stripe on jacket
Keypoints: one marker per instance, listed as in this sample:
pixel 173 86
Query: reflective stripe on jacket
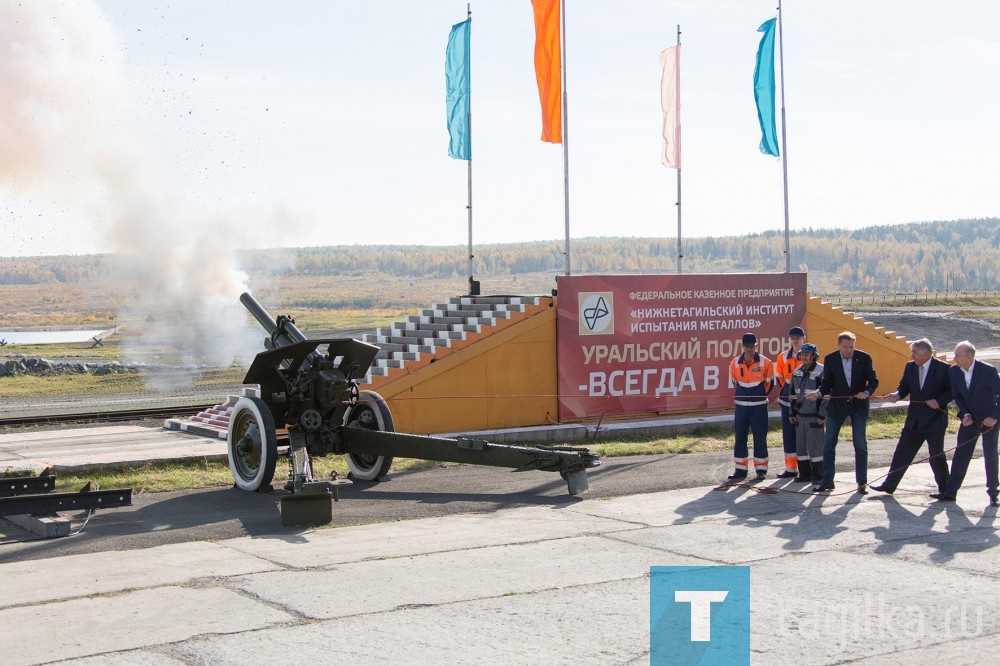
pixel 786 365
pixel 805 382
pixel 752 381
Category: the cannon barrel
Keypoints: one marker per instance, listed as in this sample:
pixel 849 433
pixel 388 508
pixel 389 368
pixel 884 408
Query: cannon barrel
pixel 283 331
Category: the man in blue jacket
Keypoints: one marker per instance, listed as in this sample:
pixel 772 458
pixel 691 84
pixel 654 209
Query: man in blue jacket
pixel 976 388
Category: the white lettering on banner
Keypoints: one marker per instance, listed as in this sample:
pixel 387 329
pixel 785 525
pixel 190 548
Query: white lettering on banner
pixel 723 348
pixel 687 379
pixel 641 382
pixel 764 310
pixel 714 294
pixel 663 327
pixel 665 385
pixel 646 374
pixel 677 350
pixel 659 295
pixel 711 378
pixel 730 324
pixel 687 313
pixel 765 293
pixel 611 383
pixel 598 385
pixel 632 382
pixel 701 610
pixel 771 347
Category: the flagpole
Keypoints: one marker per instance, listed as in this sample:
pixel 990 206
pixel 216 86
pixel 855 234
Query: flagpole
pixel 565 125
pixel 473 285
pixel 680 252
pixel 784 146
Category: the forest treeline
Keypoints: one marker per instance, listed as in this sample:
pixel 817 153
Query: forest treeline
pixel 937 256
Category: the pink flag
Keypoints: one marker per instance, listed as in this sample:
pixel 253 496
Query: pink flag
pixel 670 100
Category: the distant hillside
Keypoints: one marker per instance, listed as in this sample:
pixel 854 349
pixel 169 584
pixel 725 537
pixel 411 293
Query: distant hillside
pixel 958 255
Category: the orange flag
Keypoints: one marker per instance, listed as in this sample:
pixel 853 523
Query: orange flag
pixel 548 67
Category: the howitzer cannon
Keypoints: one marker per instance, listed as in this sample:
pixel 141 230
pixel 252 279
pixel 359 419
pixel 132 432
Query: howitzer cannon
pixel 310 388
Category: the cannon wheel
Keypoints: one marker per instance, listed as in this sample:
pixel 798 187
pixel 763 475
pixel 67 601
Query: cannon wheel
pixel 372 412
pixel 252 444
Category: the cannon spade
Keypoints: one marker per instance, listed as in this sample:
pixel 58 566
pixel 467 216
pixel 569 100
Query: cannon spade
pixel 309 389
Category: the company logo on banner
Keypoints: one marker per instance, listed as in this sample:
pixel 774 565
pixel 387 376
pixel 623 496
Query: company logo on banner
pixel 656 344
pixel 597 313
pixel 699 615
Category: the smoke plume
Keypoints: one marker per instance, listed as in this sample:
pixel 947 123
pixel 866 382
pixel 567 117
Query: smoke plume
pixel 69 138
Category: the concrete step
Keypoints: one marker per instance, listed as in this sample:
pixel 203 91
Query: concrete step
pixel 430 325
pixel 467 316
pixel 398 356
pixel 435 327
pixel 402 337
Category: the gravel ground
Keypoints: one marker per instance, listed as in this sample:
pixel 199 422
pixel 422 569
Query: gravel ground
pixel 942 329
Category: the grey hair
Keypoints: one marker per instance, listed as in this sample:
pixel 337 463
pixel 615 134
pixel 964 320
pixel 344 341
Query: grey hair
pixel 967 346
pixel 923 344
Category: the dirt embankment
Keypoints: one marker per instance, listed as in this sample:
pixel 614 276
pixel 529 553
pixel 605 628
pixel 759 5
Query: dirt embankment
pixel 944 329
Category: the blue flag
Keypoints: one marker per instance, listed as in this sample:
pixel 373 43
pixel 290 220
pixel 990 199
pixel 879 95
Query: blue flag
pixel 458 79
pixel 763 89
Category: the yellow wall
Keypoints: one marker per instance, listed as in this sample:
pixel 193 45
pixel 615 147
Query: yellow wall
pixel 889 352
pixel 505 380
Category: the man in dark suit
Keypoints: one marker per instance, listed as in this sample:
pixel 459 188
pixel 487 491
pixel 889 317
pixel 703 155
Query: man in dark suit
pixel 849 379
pixel 925 381
pixel 976 388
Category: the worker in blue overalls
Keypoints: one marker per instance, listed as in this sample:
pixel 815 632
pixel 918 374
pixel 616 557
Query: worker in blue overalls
pixel 751 375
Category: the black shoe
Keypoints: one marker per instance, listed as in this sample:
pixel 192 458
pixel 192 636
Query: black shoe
pixel 883 489
pixel 861 489
pixel 787 474
pixel 802 479
pixel 824 486
pixel 994 501
pixel 737 477
pixel 761 476
pixel 943 497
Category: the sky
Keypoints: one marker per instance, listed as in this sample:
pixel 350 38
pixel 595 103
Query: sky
pixel 131 126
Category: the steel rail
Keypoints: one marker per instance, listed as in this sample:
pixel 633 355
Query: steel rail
pixel 108 416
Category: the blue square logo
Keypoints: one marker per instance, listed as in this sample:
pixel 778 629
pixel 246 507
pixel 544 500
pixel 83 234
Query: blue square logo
pixel 699 615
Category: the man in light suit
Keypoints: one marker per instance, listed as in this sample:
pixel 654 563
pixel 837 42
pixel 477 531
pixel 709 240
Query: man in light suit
pixel 849 380
pixel 925 381
pixel 976 388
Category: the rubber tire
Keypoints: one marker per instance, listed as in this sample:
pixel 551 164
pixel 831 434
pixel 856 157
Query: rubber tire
pixel 371 411
pixel 258 471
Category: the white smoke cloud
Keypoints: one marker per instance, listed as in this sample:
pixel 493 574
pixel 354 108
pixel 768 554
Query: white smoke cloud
pixel 69 137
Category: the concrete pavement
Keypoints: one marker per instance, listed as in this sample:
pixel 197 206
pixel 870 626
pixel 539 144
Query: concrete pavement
pixel 835 579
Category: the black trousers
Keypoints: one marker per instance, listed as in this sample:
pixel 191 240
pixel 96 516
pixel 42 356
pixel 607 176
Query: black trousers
pixel 967 437
pixel 910 442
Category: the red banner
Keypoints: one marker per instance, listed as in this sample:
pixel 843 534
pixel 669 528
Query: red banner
pixel 631 344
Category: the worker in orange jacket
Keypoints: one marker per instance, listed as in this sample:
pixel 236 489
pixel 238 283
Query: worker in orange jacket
pixel 751 375
pixel 785 366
